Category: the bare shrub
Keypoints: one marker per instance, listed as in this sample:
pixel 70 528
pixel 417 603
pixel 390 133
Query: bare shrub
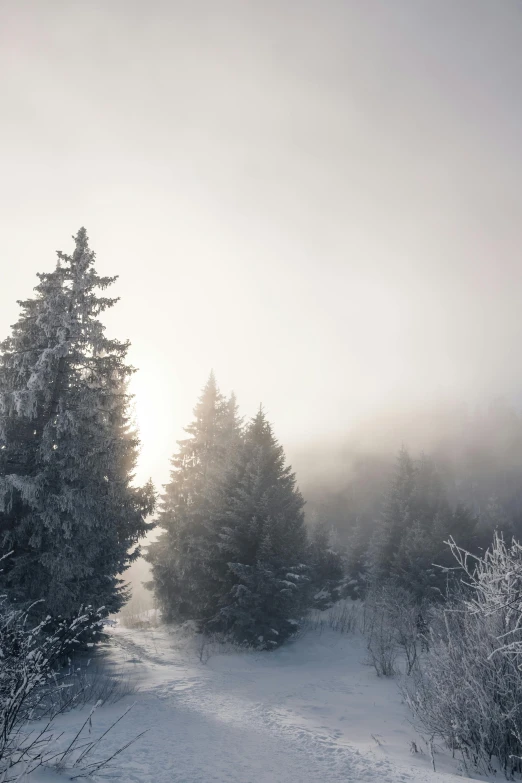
pixel 382 645
pixel 210 645
pixel 90 682
pixel 393 621
pixel 408 618
pixel 139 616
pixel 467 691
pixel 343 617
pixel 79 755
pixel 203 648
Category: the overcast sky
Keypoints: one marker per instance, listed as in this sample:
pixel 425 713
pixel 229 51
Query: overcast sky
pixel 320 199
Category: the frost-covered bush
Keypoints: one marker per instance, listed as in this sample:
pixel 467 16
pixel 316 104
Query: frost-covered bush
pixel 468 689
pixel 29 657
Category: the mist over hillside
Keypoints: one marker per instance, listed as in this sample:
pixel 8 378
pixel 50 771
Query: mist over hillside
pixel 477 450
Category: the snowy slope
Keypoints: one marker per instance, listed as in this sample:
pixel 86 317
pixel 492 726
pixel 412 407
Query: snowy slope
pixel 308 712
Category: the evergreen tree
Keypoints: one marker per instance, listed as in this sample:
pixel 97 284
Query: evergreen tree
pixel 259 565
pixel 409 547
pixel 493 519
pixel 180 556
pixel 357 557
pixel 414 562
pixel 326 565
pixel 396 518
pixel 68 508
pixel 423 555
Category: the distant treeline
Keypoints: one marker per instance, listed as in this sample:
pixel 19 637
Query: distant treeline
pixel 477 455
pixel 467 483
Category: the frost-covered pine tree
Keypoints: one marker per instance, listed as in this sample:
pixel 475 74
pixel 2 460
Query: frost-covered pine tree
pixel 180 556
pixel 68 508
pixel 259 572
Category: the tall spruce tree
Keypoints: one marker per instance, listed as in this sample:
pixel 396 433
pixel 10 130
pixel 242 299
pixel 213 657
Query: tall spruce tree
pixel 261 545
pixel 68 508
pixel 180 556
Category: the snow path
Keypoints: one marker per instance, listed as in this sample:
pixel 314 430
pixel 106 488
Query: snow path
pixel 303 714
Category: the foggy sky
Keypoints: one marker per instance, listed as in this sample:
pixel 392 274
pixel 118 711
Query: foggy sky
pixel 321 199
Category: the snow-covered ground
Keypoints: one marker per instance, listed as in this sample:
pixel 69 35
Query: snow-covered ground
pixel 310 712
